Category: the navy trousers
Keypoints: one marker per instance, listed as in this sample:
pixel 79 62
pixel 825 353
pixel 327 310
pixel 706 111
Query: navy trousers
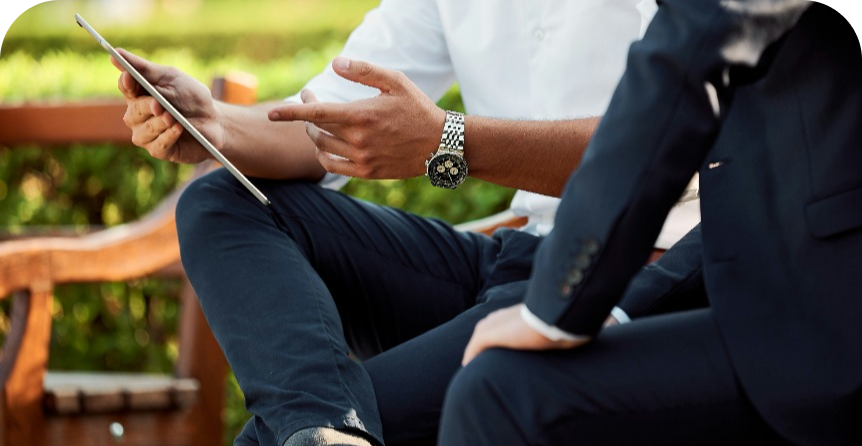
pixel 289 291
pixel 661 380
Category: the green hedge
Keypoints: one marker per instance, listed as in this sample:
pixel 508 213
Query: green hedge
pixel 56 76
pixel 260 30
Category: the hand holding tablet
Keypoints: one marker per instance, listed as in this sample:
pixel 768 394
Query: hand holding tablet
pixel 197 135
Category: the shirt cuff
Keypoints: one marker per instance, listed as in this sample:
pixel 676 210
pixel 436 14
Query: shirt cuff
pixel 620 316
pixel 548 331
pixel 333 181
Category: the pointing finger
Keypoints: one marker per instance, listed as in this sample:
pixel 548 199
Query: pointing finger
pixel 316 112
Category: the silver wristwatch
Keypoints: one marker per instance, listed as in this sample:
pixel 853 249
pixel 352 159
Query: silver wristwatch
pixel 447 168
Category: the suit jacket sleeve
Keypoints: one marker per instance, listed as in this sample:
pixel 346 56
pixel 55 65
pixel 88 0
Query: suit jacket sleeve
pixel 661 122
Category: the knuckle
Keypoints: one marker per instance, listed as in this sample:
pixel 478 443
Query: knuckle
pixel 149 127
pixel 361 141
pixel 318 114
pixel 364 158
pixel 138 140
pixel 171 73
pixel 364 172
pixel 363 119
pixel 400 77
pixel 148 105
pixel 127 118
pixel 156 127
pixel 134 113
pixel 366 69
pixel 155 150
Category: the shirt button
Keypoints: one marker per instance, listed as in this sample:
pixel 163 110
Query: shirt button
pixel 539 34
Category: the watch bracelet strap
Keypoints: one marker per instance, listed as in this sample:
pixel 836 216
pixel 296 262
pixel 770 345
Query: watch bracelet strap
pixel 453 132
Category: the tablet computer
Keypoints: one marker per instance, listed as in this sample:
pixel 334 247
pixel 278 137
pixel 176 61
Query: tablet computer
pixel 174 112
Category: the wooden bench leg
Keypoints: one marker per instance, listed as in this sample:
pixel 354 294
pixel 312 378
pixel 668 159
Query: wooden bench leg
pixel 201 358
pixel 21 377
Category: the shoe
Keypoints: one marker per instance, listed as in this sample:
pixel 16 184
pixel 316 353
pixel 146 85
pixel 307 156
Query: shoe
pixel 325 436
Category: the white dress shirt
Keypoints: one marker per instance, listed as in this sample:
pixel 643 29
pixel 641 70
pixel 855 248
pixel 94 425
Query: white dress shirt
pixel 516 59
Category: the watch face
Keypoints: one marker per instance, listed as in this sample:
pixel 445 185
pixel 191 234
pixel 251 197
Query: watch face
pixel 447 170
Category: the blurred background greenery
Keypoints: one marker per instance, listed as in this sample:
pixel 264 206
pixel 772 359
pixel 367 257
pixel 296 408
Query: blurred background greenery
pixel 45 57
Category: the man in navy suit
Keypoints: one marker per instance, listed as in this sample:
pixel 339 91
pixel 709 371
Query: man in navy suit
pixel 764 99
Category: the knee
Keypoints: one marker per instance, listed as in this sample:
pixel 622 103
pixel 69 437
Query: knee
pixel 207 205
pixel 479 387
pixel 479 397
pixel 202 196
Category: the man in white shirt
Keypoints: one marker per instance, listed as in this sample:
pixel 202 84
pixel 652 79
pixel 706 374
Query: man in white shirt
pixel 288 291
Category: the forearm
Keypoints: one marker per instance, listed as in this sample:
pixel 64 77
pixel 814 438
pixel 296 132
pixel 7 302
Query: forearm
pixel 392 135
pixel 537 156
pixel 266 149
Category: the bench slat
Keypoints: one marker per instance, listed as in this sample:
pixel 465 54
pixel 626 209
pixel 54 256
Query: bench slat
pixel 69 393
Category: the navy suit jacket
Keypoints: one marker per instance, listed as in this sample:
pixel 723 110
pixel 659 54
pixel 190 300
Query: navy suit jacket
pixel 775 129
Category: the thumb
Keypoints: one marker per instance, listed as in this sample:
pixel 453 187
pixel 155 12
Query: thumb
pixel 151 71
pixel 368 74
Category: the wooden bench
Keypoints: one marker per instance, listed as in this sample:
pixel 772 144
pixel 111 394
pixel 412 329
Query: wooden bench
pixel 57 408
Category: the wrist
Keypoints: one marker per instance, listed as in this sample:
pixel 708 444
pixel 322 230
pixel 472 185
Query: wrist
pixel 548 331
pixel 430 138
pixel 446 168
pixel 222 117
pixel 239 126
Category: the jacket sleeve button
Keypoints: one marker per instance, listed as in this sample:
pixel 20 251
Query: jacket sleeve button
pixel 583 261
pixel 575 277
pixel 591 246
